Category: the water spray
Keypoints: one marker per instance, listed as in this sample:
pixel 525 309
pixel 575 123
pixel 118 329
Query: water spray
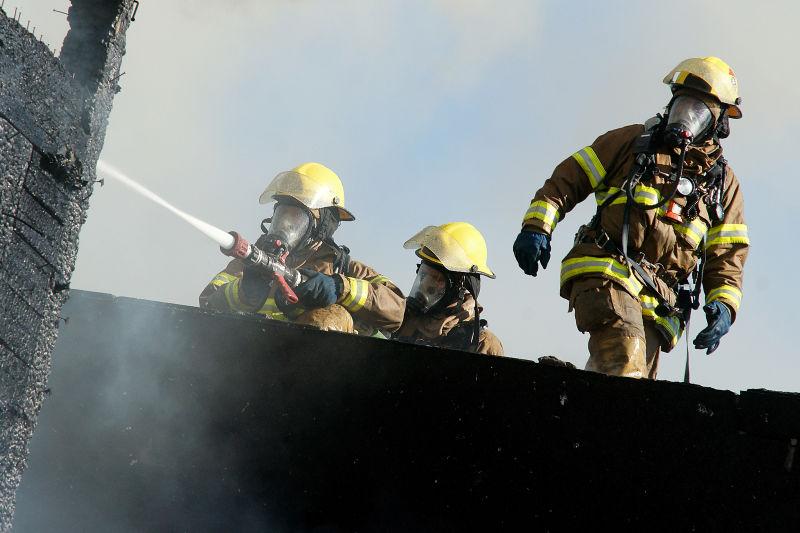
pixel 230 243
pixel 223 238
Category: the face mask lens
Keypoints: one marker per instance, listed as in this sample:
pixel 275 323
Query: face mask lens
pixel 289 223
pixel 690 114
pixel 429 288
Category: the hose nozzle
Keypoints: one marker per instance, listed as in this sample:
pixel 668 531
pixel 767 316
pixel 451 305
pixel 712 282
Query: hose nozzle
pixel 239 247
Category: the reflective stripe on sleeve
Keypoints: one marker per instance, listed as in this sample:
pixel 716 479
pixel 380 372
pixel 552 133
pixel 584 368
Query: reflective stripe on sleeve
pixel 669 326
pixel 222 278
pixel 607 266
pixel 232 296
pixel 544 211
pixel 727 234
pixel 591 165
pixel 377 280
pixel 357 297
pixel 728 293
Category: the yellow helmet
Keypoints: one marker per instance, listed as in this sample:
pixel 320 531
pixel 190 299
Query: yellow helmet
pixel 313 185
pixel 709 75
pixel 457 246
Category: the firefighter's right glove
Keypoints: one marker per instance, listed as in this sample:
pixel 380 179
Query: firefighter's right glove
pixel 254 285
pixel 719 323
pixel 319 290
pixel 530 249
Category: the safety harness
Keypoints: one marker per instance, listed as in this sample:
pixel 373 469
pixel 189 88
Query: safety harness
pixel 644 168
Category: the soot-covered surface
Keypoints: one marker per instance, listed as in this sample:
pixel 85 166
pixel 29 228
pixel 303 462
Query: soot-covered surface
pixel 53 116
pixel 168 418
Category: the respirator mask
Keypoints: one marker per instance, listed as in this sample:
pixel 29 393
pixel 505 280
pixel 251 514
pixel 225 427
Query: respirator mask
pixel 430 287
pixel 288 228
pixel 689 121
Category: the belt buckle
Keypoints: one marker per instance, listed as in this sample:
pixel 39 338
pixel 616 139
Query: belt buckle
pixel 602 239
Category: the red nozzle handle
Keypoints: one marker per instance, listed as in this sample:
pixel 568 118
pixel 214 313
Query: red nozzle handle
pixel 240 248
pixel 287 291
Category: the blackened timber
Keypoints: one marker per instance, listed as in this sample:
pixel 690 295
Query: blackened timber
pixel 166 417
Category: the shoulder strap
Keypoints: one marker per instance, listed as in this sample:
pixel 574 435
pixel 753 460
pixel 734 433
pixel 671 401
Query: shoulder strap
pixel 341 265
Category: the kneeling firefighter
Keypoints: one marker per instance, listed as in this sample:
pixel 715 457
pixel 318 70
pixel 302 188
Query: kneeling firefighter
pixel 669 221
pixel 334 291
pixel 442 308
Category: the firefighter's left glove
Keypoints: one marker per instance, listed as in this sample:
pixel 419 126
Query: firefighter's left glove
pixel 530 249
pixel 319 290
pixel 719 323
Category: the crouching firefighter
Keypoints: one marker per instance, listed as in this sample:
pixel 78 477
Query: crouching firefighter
pixel 669 221
pixel 331 290
pixel 442 308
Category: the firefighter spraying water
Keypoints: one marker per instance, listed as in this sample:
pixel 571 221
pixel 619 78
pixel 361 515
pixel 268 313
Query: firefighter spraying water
pixel 296 271
pixel 231 244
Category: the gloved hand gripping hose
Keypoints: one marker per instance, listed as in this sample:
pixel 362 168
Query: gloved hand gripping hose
pixel 256 259
pixel 319 290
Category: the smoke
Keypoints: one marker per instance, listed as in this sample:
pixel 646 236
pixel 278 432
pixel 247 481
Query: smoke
pixel 133 422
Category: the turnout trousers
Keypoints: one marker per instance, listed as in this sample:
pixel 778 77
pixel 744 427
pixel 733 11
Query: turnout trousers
pixel 621 342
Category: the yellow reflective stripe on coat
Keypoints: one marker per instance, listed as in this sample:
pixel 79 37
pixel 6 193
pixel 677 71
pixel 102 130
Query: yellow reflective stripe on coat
pixel 729 293
pixel 606 266
pixel 645 195
pixel 544 211
pixel 727 234
pixel 693 230
pixel 222 278
pixel 669 326
pixel 642 194
pixel 357 297
pixel 591 165
pixel 602 195
pixel 231 291
pixel 271 309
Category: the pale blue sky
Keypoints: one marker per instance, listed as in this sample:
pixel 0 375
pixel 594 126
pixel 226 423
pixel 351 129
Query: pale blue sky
pixel 434 111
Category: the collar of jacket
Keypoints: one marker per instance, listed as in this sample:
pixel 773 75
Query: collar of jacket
pixel 699 159
pixel 319 257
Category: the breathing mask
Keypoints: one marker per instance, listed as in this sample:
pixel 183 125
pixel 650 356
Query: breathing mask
pixel 430 287
pixel 288 228
pixel 689 121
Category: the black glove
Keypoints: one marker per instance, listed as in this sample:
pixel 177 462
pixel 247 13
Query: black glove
pixel 254 285
pixel 319 290
pixel 719 323
pixel 530 249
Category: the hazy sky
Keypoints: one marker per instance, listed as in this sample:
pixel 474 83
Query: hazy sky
pixel 434 111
